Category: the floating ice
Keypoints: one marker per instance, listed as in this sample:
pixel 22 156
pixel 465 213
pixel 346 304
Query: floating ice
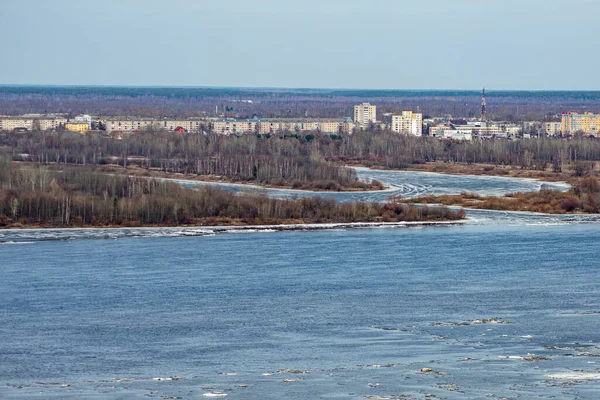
pixel 575 376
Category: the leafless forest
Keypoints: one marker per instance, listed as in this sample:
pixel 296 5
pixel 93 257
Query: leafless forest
pixel 269 103
pixel 290 159
pixel 78 196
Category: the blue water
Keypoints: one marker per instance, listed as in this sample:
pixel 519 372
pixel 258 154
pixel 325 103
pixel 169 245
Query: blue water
pixel 341 313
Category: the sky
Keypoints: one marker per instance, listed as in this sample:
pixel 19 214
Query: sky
pixel 366 44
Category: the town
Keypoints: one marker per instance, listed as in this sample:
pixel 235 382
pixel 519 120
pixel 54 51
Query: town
pixel 365 118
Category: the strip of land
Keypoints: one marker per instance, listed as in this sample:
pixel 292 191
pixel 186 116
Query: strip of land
pixel 36 196
pixel 508 171
pixel 314 186
pixel 583 197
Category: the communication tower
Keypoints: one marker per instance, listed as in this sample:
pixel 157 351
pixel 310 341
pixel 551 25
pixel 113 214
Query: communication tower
pixel 483 106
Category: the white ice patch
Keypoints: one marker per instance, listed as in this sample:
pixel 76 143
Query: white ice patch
pixel 575 376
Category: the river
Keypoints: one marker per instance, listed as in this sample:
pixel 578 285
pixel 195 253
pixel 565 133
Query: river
pixel 506 305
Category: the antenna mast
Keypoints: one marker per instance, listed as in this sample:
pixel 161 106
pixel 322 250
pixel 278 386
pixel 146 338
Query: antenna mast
pixel 483 106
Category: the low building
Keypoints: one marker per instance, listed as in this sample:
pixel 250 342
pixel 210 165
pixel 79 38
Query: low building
pixel 455 134
pixel 75 126
pixel 512 130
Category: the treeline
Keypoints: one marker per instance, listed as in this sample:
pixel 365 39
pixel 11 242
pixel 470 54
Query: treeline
pixel 277 103
pixel 398 151
pixel 285 159
pixel 294 161
pixel 79 196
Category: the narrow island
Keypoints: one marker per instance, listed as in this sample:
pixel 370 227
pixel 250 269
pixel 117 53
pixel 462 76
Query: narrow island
pixel 582 197
pixel 35 196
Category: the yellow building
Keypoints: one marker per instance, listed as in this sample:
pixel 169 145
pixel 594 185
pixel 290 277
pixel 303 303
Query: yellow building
pixel 81 127
pixel 408 123
pixel 588 123
pixel 364 114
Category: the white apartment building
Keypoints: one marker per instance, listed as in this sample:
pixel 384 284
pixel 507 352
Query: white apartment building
pixel 11 123
pixel 364 114
pixel 52 123
pixel 408 123
pixel 553 128
pixel 140 124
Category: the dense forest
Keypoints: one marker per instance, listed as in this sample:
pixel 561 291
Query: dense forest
pixel 278 103
pixel 293 162
pixel 292 159
pixel 79 196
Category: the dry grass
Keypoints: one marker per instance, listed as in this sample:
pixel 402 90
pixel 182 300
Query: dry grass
pixel 544 201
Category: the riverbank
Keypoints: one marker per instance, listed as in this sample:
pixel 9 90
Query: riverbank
pixel 314 186
pixel 480 170
pixel 17 235
pixel 39 197
pixel 582 198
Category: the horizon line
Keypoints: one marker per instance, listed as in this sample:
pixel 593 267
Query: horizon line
pixel 33 85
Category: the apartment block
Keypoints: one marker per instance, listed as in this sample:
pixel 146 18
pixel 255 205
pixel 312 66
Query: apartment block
pixel 267 126
pixel 46 124
pixel 408 123
pixel 588 123
pixel 552 128
pixel 364 114
pixel 12 123
pixel 228 127
pixel 140 124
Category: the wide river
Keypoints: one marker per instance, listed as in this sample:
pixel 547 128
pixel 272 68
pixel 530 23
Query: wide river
pixel 506 305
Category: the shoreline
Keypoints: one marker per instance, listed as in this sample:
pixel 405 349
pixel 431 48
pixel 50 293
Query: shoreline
pixel 220 180
pixel 473 169
pixel 201 230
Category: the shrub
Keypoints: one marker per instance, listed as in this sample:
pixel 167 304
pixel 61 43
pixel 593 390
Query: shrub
pixel 570 203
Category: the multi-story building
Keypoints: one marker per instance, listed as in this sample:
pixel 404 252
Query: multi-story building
pixel 534 128
pixel 12 123
pixel 552 128
pixel 364 114
pixel 76 126
pixel 46 124
pixel 408 123
pixel 588 123
pixel 140 124
pixel 228 127
pixel 293 125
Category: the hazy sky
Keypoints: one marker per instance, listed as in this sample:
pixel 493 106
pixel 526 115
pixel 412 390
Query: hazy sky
pixel 391 44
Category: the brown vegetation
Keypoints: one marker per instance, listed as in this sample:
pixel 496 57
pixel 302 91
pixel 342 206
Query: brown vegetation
pixel 287 161
pixel 583 197
pixel 78 196
pixel 308 158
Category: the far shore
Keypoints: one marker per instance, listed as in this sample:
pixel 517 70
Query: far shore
pixel 478 170
pixel 136 171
